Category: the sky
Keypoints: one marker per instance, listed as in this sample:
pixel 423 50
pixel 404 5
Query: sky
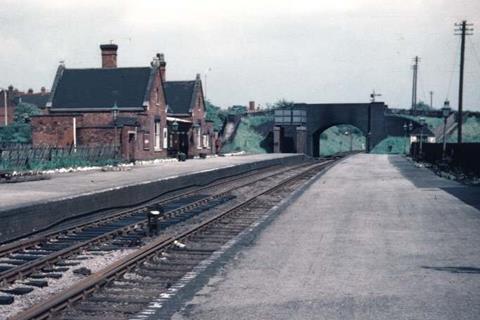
pixel 261 50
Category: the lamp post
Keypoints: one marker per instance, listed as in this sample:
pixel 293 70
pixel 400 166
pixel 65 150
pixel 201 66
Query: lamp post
pixel 115 116
pixel 349 133
pixel 407 128
pixel 422 124
pixel 445 113
pixel 174 139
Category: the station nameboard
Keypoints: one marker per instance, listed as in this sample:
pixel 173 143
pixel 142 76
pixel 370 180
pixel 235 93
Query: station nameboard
pixel 290 117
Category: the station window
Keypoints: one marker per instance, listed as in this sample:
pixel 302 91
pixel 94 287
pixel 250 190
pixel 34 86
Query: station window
pixel 199 138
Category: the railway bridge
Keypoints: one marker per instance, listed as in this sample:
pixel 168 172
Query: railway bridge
pixel 297 129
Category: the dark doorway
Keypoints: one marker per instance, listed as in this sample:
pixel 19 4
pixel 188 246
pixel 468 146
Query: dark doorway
pixel 131 147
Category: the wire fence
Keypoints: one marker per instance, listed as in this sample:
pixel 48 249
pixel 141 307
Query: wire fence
pixel 19 157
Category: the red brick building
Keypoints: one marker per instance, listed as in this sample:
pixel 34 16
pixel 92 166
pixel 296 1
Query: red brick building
pixel 126 107
pixel 186 107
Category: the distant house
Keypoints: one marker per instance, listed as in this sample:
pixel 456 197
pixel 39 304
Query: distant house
pixel 38 99
pixel 126 107
pixel 186 107
pixel 11 97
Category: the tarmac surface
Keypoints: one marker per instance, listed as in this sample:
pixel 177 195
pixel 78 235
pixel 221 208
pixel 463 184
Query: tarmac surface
pixel 374 238
pixel 77 183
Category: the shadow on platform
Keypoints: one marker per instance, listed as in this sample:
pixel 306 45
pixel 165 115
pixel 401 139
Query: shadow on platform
pixel 470 270
pixel 424 178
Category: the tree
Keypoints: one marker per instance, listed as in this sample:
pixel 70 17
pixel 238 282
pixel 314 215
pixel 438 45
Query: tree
pixel 24 112
pixel 215 114
pixel 422 106
pixel 280 104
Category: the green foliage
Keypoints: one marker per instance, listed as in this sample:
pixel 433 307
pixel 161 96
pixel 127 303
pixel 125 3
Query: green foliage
pixel 20 130
pixel 432 122
pixel 237 110
pixel 21 158
pixel 423 106
pixel 334 140
pixel 280 104
pixel 24 112
pixel 247 138
pixel 16 133
pixel 394 145
pixel 215 114
pixel 470 131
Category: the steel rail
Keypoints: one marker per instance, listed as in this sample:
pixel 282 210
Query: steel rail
pixel 24 270
pixel 25 243
pixel 94 282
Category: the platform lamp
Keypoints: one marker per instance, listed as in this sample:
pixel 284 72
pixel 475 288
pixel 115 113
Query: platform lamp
pixel 422 124
pixel 445 113
pixel 350 133
pixel 407 128
pixel 115 117
pixel 175 126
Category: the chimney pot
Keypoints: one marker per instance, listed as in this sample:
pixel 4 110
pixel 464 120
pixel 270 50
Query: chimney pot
pixel 109 55
pixel 163 66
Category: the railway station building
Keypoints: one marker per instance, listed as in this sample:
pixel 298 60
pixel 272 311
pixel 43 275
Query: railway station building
pixel 121 106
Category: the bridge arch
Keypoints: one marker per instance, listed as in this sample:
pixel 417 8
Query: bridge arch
pixel 343 129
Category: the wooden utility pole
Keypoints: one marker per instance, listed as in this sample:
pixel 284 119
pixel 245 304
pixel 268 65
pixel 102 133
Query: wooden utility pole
pixel 462 30
pixel 431 99
pixel 414 85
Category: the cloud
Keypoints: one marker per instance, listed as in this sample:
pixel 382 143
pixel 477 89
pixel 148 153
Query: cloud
pixel 258 50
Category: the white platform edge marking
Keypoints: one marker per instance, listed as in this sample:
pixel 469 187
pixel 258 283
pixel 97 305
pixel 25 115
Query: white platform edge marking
pixel 157 304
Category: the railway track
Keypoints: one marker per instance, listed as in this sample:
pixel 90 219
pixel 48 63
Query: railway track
pixel 34 261
pixel 128 286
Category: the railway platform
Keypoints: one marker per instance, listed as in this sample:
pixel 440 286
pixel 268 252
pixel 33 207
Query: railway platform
pixel 374 238
pixel 31 206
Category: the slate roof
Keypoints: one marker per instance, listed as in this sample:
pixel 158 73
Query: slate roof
pixel 179 95
pixel 100 88
pixel 39 100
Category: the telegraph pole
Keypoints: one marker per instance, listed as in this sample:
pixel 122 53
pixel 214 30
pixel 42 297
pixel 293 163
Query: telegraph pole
pixel 431 99
pixel 414 85
pixel 462 30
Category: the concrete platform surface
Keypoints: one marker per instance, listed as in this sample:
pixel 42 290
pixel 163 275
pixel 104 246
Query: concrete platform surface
pixel 373 238
pixel 79 183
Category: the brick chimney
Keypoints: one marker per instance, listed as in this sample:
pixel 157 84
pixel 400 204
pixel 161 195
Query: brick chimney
pixel 163 66
pixel 109 55
pixel 251 106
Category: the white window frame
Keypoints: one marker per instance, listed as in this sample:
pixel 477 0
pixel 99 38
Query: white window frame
pixel 205 141
pixel 199 138
pixel 157 134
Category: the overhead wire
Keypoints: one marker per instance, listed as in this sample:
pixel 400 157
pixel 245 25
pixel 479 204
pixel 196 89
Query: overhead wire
pixel 452 72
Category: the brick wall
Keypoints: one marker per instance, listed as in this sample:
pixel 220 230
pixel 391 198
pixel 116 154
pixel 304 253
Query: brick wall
pixel 54 129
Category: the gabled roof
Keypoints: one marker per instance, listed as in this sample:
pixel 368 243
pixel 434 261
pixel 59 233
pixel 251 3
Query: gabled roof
pixel 37 99
pixel 179 96
pixel 101 88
